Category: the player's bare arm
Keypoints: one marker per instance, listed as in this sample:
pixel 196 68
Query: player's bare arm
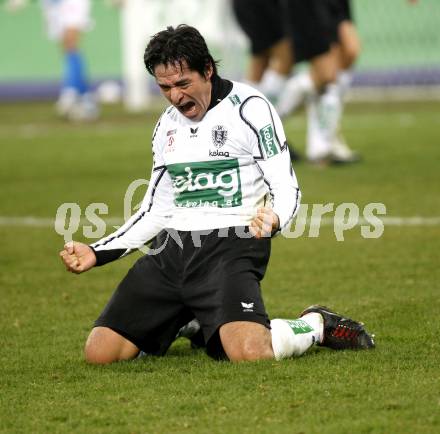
pixel 78 257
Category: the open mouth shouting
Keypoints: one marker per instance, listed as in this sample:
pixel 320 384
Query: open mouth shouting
pixel 187 108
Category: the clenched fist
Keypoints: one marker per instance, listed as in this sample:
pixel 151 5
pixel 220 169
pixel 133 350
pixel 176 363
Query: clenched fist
pixel 78 257
pixel 265 223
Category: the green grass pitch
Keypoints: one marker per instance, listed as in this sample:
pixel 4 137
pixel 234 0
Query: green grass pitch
pixel 391 283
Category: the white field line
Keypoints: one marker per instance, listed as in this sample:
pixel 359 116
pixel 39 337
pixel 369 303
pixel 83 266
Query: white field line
pixel 43 222
pixel 387 221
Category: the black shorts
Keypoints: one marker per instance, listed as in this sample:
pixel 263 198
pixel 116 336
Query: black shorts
pixel 313 25
pixel 214 277
pixel 262 21
pixel 341 11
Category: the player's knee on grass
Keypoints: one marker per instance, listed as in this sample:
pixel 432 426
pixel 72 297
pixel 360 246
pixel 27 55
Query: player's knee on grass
pixel 105 346
pixel 246 341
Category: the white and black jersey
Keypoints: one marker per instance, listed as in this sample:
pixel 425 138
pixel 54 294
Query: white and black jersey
pixel 213 173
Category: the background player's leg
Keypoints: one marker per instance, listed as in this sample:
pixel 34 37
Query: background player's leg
pixel 74 83
pixel 67 20
pixel 76 99
pixel 323 118
pixel 317 143
pixel 74 69
pixel 277 72
pixel 322 71
pixel 349 49
pixel 257 65
pixel 349 43
pixel 297 88
pixel 324 106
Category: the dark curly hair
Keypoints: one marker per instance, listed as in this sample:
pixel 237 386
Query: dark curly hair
pixel 176 45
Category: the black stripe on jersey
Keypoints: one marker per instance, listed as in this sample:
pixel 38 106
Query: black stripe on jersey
pixel 156 183
pixel 282 147
pixel 150 205
pixel 265 180
pixel 141 215
pixel 262 173
pixel 294 210
pixel 260 157
pixel 255 130
pixel 157 127
pixel 154 135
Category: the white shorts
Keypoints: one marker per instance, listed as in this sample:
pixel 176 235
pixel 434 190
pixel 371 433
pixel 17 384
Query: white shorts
pixel 64 14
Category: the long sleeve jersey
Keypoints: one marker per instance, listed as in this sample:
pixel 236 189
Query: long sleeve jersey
pixel 214 173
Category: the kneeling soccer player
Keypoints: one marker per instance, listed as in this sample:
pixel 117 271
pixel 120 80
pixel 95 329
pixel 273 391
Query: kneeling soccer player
pixel 221 185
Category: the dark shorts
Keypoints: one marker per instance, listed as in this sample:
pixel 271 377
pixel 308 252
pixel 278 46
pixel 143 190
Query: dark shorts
pixel 214 277
pixel 262 21
pixel 313 25
pixel 341 10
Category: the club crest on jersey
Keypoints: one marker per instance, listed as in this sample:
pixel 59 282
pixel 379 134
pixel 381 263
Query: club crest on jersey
pixel 219 136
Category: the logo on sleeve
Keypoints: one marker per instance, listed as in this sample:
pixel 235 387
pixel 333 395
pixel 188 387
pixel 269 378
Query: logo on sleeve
pixel 235 99
pixel 268 139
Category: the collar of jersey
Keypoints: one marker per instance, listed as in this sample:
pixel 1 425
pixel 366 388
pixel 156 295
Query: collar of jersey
pixel 220 89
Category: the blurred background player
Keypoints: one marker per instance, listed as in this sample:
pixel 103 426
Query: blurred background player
pixel 271 58
pixel 323 34
pixel 324 111
pixel 66 20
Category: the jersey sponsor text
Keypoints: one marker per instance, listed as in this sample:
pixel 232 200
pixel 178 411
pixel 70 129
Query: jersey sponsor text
pixel 268 139
pixel 206 183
